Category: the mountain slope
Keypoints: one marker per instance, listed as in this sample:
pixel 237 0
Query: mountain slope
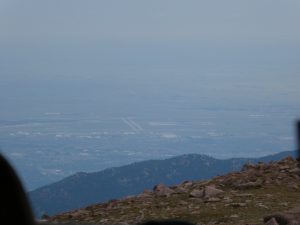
pixel 259 193
pixel 83 189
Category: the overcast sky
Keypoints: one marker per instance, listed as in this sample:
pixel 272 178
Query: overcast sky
pixel 154 41
pixel 230 21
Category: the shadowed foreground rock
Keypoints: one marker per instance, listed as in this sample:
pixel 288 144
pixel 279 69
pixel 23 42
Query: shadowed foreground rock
pixel 290 217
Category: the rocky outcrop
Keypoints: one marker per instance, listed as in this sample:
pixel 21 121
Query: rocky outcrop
pixel 253 176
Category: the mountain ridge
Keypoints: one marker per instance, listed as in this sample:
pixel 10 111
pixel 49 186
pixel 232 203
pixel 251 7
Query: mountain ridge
pixel 260 193
pixel 82 189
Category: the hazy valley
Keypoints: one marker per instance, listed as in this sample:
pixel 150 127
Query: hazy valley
pixel 51 147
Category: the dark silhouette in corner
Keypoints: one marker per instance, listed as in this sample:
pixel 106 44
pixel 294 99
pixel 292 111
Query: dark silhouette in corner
pixel 15 208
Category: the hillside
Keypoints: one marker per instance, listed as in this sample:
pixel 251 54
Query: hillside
pixel 260 193
pixel 83 189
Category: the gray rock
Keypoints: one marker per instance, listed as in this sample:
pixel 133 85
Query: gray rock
pixel 237 205
pixel 234 216
pixel 227 200
pixel 244 195
pixel 295 170
pixel 293 186
pixel 248 166
pixel 213 199
pixel 187 184
pixel 261 205
pixel 162 191
pixel 180 190
pixel 248 185
pixel 211 191
pixel 181 202
pixel 197 193
pixel 123 223
pixel 285 167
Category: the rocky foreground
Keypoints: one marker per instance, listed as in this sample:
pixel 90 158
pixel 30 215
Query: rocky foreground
pixel 259 194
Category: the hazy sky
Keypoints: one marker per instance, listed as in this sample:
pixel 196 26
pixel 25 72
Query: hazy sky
pixel 54 37
pixel 231 21
pixel 187 46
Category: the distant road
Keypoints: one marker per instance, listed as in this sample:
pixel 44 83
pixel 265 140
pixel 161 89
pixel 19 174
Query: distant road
pixel 133 125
